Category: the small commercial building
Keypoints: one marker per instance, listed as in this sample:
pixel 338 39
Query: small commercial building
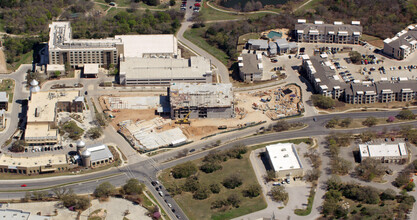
pixel 95 155
pixel 386 153
pixel 284 160
pixel 54 69
pixel 33 165
pixel 4 101
pixel 201 100
pixel 14 214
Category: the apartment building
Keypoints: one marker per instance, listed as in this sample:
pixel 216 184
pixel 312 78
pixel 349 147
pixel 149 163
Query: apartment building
pixel 323 76
pixel 201 100
pixel 321 73
pixel 319 32
pixel 402 44
pixel 250 67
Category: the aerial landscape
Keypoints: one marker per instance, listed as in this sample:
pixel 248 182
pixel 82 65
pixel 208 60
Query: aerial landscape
pixel 208 109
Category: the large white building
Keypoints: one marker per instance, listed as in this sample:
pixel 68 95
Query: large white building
pixel 402 44
pixel 284 160
pixel 386 153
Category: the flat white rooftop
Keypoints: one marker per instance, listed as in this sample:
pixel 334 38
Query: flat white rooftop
pixel 283 156
pixel 139 45
pixel 383 150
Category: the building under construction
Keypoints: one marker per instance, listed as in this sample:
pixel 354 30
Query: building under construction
pixel 201 100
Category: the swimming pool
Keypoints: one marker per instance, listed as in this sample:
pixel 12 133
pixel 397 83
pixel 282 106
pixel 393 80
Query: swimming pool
pixel 272 34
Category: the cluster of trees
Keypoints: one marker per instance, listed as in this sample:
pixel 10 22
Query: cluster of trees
pixel 279 194
pixel 213 160
pixel 139 22
pixel 31 16
pixel 184 170
pixel 225 35
pixel 283 125
pixel 233 200
pixel 338 164
pixel 323 101
pixel 344 123
pixel 384 19
pixel 369 169
pixel 333 205
pixel 403 180
pixel 15 47
pixel 315 159
pixel 410 133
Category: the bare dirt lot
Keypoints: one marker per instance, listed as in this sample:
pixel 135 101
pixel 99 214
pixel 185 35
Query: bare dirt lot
pixel 3 66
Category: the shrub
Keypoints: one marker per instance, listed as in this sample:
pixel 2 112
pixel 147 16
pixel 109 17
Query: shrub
pixel 184 170
pixel 332 123
pixel 402 179
pixel 346 122
pixel 94 133
pixel 18 146
pixel 215 188
pixel 391 119
pixel 234 200
pixel 388 194
pixel 410 186
pixel 210 167
pixel 78 202
pixel 355 56
pixel 369 169
pixel 370 121
pixel 232 181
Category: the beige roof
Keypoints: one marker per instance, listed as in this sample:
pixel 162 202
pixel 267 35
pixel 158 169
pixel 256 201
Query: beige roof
pixel 40 131
pixel 43 104
pixel 7 160
pixel 139 45
pixel 90 68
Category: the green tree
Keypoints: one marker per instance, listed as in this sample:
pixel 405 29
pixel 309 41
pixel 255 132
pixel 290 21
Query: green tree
pixel 370 121
pixel 210 167
pixel 133 187
pixel 252 191
pixel 201 193
pixel 402 179
pixel 322 101
pixel 332 123
pixel 270 175
pixel 410 186
pixel 95 132
pixel 369 169
pixel 102 119
pixel 215 188
pixel 184 170
pixel 60 192
pixel 104 190
pixel 57 74
pixel 406 115
pixel 234 200
pixel 191 184
pixel 355 56
pixel 346 122
pixel 18 146
pixel 232 181
pixel 278 194
pixel 172 2
pixel 388 194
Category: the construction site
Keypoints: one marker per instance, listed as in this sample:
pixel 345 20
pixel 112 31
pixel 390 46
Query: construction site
pixel 147 120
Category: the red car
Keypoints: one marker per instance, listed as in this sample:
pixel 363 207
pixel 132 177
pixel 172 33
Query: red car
pixel 23 185
pixel 197 5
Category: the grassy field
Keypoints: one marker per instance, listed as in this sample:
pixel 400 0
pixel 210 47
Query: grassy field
pixel 375 41
pixel 210 14
pixel 194 35
pixel 7 85
pixel 244 38
pixel 200 209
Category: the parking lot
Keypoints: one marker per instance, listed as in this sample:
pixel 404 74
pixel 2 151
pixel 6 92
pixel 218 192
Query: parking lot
pixel 382 67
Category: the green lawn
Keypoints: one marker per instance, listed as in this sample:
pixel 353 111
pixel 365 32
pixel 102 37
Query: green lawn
pixel 308 141
pixel 194 35
pixel 244 38
pixel 210 14
pixel 310 5
pixel 7 85
pixel 357 122
pixel 200 209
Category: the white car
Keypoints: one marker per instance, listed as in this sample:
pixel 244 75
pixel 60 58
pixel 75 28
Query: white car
pixel 169 205
pixel 161 193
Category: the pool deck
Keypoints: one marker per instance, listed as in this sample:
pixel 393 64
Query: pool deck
pixel 283 31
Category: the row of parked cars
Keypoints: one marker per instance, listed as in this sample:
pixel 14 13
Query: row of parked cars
pixel 42 149
pixel 197 5
pixel 158 188
pixel 410 67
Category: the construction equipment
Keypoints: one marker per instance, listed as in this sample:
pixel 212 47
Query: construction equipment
pixel 184 120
